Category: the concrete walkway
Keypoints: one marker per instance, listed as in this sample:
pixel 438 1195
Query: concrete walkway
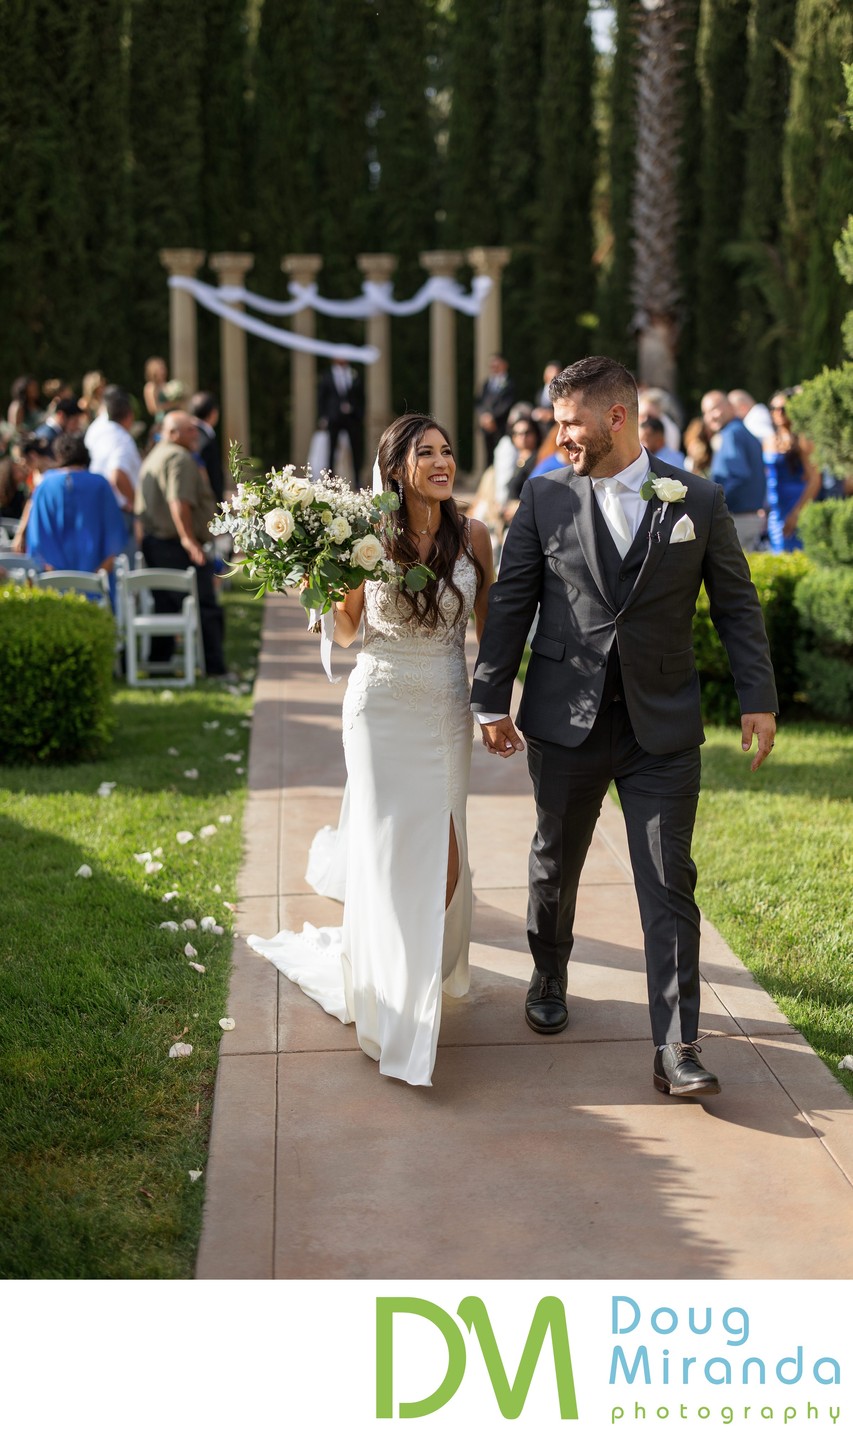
pixel 529 1157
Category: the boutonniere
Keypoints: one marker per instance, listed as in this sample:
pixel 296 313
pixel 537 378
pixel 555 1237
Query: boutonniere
pixel 670 490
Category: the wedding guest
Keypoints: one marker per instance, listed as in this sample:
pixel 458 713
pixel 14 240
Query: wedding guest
pixel 697 448
pixel 94 384
pixel 756 417
pixel 64 417
pixel 156 375
pixel 738 467
pixel 543 409
pixel 653 437
pixel 526 440
pixel 25 411
pixel 793 480
pixel 113 453
pixel 74 520
pixel 493 403
pixel 340 410
pixel 204 407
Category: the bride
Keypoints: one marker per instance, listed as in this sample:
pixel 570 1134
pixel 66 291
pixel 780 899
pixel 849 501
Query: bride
pixel 399 859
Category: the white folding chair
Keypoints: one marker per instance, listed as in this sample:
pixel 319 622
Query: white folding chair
pixel 20 568
pixel 78 581
pixel 141 626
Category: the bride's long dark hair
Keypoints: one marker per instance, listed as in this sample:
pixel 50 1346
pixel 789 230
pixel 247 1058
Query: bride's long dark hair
pixel 397 449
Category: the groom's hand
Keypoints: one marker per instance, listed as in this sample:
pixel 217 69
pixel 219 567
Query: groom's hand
pixel 502 738
pixel 764 728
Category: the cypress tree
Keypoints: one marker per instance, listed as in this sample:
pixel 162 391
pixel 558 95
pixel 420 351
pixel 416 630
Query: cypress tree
pixel 565 288
pixel 224 121
pixel 517 164
pixel 471 204
pixel 722 68
pixel 762 293
pixel 690 128
pixel 615 302
pixel 166 139
pixel 404 181
pixel 817 168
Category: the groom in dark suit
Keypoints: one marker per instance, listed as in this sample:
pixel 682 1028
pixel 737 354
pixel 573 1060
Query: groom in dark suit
pixel 613 552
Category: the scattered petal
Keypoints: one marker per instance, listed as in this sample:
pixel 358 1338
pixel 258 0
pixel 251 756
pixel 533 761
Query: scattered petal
pixel 172 927
pixel 167 897
pixel 208 925
pixel 173 752
pixel 231 757
pixel 239 770
pixel 208 830
pixel 189 924
pixel 214 723
pixel 142 857
pixel 218 930
pixel 106 790
pixel 194 1174
pixel 84 871
pixel 167 696
pixel 190 773
pixel 225 818
pixel 230 732
pixel 157 853
pixel 847 1062
pixel 189 951
pixel 199 968
pixel 227 1024
pixel 216 888
pixel 180 1050
pixel 245 723
pixel 232 906
pixel 153 867
pixel 184 836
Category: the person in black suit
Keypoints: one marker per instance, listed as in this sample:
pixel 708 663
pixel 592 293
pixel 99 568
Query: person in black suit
pixel 340 407
pixel 493 403
pixel 612 551
pixel 204 407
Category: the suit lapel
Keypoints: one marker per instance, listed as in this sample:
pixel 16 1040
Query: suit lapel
pixel 659 532
pixel 585 529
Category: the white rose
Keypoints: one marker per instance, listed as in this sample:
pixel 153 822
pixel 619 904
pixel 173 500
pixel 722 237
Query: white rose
pixel 279 524
pixel 339 530
pixel 297 487
pixel 367 552
pixel 670 490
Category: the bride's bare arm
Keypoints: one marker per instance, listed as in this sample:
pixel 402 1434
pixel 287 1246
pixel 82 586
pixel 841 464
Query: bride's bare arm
pixel 481 543
pixel 348 617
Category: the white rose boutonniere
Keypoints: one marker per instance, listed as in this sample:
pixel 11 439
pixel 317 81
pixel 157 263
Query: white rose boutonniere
pixel 367 552
pixel 279 524
pixel 670 490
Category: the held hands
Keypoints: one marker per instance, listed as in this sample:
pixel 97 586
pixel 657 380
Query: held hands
pixel 502 738
pixel 764 728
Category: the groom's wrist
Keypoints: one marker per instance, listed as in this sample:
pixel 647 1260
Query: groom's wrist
pixel 490 718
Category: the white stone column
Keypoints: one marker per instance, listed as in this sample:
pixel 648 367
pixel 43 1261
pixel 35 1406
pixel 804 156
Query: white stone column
pixel 302 269
pixel 442 341
pixel 232 269
pixel 487 329
pixel 378 268
pixel 183 328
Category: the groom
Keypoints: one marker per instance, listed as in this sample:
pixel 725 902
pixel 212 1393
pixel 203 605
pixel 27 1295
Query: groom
pixel 613 552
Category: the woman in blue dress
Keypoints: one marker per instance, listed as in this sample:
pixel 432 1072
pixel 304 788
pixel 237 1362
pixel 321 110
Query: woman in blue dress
pixel 792 478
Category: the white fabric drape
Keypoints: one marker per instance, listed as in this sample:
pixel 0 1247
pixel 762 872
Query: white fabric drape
pixel 374 298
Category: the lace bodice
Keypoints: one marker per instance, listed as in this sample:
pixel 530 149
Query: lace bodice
pixel 387 616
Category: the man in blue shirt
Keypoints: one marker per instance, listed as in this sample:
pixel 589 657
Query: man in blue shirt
pixel 738 466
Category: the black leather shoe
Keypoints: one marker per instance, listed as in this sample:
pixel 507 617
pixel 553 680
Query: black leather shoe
pixel 545 1008
pixel 679 1073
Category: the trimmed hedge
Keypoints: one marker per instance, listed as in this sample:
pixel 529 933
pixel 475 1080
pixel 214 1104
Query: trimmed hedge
pixel 56 662
pixel 776 578
pixel 825 606
pixel 827 532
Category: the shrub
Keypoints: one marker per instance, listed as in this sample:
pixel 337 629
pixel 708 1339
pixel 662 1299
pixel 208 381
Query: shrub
pixel 56 660
pixel 776 578
pixel 825 605
pixel 827 531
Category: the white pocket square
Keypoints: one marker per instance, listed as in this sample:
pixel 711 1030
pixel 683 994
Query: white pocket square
pixel 682 530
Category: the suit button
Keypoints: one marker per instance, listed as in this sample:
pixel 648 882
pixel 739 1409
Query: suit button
pixel 620 619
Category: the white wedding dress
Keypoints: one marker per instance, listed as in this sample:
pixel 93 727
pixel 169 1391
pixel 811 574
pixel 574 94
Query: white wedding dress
pixel 407 732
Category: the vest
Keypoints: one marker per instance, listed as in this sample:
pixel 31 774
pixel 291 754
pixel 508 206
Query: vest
pixel 621 576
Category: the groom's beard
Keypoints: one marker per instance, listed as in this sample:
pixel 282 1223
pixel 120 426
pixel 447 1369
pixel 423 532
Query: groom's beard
pixel 585 458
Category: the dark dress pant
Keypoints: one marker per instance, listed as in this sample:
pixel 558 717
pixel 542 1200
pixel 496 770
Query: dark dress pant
pixel 171 554
pixel 658 794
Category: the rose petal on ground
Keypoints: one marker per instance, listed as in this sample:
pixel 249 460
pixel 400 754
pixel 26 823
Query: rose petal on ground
pixel 167 897
pixel 199 968
pixel 190 773
pixel 153 867
pixel 180 1050
pixel 208 830
pixel 190 924
pixel 208 925
pixel 157 853
pixel 167 696
pixel 230 732
pixel 245 723
pixel 216 888
pixel 142 857
pixel 239 770
pixel 231 757
pixel 184 836
pixel 232 906
pixel 847 1062
pixel 225 818
pixel 106 790
pixel 84 871
pixel 214 723
pixel 189 951
pixel 173 752
pixel 218 930
pixel 172 927
pixel 194 1174
pixel 227 1024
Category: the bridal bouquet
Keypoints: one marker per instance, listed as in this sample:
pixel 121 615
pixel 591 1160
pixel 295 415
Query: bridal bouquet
pixel 292 531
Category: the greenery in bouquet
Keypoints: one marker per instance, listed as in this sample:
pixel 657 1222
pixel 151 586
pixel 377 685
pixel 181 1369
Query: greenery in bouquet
pixel 292 531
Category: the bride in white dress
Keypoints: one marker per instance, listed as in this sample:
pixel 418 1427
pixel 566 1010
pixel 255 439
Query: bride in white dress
pixel 399 859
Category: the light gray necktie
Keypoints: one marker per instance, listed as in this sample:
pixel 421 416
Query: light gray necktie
pixel 614 514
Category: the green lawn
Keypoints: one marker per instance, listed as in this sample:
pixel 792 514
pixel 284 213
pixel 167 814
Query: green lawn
pixel 101 1128
pixel 775 857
